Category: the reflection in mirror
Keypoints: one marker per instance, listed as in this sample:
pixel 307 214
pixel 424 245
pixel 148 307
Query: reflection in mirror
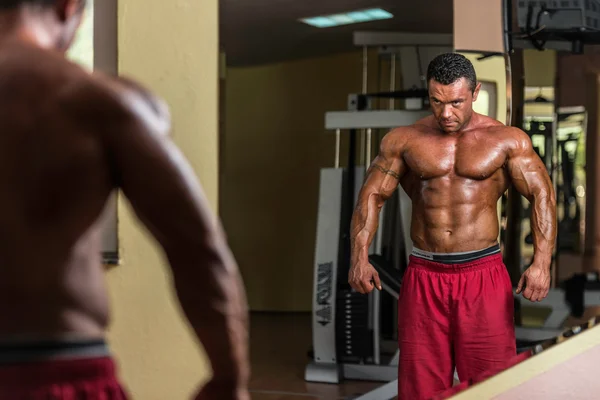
pixel 570 179
pixel 558 135
pixel 539 124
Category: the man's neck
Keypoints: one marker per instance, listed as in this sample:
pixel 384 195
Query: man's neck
pixel 470 124
pixel 31 26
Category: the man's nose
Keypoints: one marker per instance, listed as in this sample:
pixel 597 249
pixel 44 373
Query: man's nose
pixel 446 111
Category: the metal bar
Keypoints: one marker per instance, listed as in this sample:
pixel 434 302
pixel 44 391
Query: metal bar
pixel 376 119
pixel 507 8
pixel 349 201
pixel 571 110
pixel 392 79
pixel 337 147
pixel 365 88
pixel 536 334
pixel 366 38
pixel 376 326
pixel 365 71
pixel 549 45
pixel 554 264
pixel 370 372
pixel 368 148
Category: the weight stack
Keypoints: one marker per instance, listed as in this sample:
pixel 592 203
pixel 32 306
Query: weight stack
pixel 354 339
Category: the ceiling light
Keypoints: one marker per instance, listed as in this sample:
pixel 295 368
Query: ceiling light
pixel 353 17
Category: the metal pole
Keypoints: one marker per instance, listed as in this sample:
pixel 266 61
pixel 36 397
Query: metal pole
pixel 368 149
pixel 337 148
pixel 376 327
pixel 365 88
pixel 365 82
pixel 392 79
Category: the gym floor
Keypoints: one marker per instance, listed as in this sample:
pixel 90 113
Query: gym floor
pixel 279 345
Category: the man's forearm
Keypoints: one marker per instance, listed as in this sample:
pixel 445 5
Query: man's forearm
pixel 365 221
pixel 213 298
pixel 543 227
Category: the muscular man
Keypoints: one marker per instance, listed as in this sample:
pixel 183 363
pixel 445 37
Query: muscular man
pixel 456 302
pixel 68 140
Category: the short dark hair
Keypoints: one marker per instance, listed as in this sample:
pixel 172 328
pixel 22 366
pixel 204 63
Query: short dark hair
pixel 447 68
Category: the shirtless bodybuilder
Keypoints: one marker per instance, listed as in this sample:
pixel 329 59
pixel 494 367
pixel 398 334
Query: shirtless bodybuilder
pixel 68 139
pixel 456 302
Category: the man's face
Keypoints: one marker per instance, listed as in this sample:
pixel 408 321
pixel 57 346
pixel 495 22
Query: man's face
pixel 452 105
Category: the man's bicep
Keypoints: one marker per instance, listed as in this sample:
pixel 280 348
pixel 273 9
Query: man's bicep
pixel 527 171
pixel 387 168
pixel 382 180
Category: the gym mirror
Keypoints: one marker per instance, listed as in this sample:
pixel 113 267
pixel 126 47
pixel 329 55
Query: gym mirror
pixel 558 135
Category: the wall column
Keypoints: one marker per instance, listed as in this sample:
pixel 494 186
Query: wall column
pixel 591 100
pixel 172 48
pixel 474 33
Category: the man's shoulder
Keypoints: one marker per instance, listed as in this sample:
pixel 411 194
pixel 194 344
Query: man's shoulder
pixel 423 125
pixel 111 100
pixel 500 130
pixel 512 139
pixel 508 133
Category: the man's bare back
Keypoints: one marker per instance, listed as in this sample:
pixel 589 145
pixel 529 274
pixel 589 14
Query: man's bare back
pixel 56 178
pixel 69 139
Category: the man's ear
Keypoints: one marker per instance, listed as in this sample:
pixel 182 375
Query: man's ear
pixel 65 9
pixel 476 91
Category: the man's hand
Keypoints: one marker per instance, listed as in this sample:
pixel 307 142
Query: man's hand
pixel 536 281
pixel 364 278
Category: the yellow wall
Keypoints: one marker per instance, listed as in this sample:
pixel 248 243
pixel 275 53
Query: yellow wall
pixel 274 146
pixel 540 67
pixel 172 47
pixel 474 33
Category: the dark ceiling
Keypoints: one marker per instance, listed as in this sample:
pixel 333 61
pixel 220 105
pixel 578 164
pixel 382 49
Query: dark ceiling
pixel 255 32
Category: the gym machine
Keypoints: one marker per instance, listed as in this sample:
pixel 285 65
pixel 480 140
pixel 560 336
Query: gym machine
pixel 346 326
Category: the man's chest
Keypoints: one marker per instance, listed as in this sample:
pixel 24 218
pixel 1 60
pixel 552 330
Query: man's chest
pixel 470 156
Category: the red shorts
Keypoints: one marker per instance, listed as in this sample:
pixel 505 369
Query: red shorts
pixel 453 316
pixel 77 379
pixel 488 374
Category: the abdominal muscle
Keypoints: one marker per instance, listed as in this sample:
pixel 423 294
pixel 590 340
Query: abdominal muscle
pixel 455 218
